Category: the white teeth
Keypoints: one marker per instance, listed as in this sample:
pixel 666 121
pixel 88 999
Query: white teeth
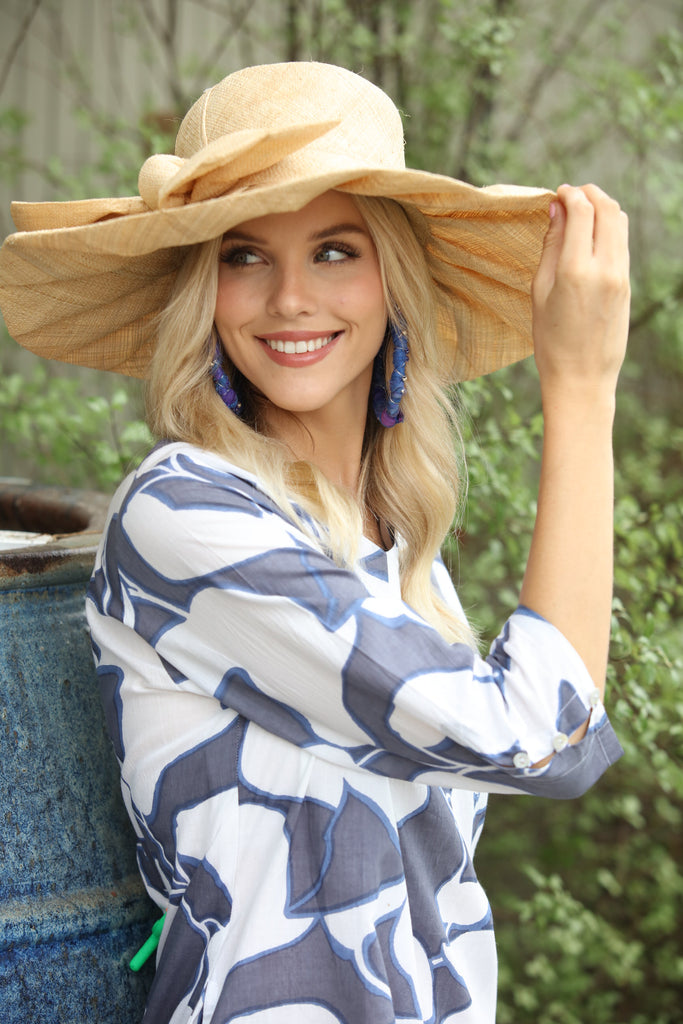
pixel 292 347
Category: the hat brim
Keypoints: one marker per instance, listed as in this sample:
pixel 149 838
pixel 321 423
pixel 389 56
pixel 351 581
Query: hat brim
pixel 84 282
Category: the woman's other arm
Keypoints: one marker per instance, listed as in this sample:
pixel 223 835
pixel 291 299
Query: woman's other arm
pixel 581 310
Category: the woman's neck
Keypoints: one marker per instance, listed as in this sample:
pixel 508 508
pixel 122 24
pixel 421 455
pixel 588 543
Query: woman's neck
pixel 332 446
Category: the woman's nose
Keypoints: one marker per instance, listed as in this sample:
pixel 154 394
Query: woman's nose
pixel 292 292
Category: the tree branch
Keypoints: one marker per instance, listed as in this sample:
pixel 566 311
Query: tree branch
pixel 293 48
pixel 235 23
pixel 166 31
pixel 549 68
pixel 481 105
pixel 16 45
pixel 79 84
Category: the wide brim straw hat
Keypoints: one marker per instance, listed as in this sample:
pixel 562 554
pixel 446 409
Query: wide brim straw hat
pixel 84 282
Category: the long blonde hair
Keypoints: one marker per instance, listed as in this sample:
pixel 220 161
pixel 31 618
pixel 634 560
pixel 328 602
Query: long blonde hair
pixel 411 476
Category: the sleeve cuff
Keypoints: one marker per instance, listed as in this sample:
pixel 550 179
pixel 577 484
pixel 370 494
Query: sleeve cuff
pixel 549 688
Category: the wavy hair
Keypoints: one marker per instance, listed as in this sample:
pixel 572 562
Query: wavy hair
pixel 412 476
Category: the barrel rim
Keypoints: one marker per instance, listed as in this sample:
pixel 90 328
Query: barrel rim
pixel 78 517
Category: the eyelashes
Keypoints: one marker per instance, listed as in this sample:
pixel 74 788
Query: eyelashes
pixel 239 256
pixel 348 251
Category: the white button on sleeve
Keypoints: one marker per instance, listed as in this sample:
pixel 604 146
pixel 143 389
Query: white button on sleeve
pixel 560 741
pixel 595 698
pixel 521 760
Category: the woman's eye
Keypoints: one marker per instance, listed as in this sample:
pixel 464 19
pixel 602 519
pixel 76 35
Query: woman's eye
pixel 335 253
pixel 239 257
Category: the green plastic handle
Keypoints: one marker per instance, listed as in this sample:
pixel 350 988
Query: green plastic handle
pixel 145 951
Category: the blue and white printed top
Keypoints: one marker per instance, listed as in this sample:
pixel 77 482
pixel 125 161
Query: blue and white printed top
pixel 305 760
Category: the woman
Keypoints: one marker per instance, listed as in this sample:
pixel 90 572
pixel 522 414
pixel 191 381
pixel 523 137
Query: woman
pixel 306 731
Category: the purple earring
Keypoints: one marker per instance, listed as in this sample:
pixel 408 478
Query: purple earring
pixel 223 387
pixel 386 403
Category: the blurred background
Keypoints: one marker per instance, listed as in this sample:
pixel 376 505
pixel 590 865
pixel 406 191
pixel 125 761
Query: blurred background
pixel 588 896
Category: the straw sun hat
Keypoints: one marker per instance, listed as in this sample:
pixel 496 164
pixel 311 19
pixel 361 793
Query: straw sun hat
pixel 84 281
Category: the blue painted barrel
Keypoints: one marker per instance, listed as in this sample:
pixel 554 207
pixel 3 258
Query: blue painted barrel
pixel 72 907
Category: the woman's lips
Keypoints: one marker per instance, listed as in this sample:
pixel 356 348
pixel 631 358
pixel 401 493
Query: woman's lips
pixel 298 348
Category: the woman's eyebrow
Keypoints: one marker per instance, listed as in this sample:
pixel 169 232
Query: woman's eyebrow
pixel 338 229
pixel 244 236
pixel 333 229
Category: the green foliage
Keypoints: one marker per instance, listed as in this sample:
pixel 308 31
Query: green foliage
pixel 502 436
pixel 67 437
pixel 603 944
pixel 587 895
pixel 588 947
pixel 11 158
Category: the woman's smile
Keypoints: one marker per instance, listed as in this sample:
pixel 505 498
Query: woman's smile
pixel 300 348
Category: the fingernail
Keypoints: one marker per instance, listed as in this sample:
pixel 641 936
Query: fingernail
pixel 553 210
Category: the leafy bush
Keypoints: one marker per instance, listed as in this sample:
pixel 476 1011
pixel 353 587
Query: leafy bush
pixel 588 896
pixel 66 437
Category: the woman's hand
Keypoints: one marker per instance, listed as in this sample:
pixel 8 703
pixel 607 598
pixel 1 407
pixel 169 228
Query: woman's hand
pixel 581 293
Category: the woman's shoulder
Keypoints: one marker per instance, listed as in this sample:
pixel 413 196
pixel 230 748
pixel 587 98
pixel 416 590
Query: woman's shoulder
pixel 183 475
pixel 187 513
pixel 182 459
pixel 180 489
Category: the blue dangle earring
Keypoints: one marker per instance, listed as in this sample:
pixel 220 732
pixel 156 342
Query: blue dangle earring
pixel 386 403
pixel 223 387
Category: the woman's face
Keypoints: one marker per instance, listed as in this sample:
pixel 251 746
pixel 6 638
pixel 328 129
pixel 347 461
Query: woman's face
pixel 300 307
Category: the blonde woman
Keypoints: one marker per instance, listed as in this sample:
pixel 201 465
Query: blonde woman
pixel 306 730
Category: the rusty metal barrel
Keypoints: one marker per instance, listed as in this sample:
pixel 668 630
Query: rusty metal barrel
pixel 72 907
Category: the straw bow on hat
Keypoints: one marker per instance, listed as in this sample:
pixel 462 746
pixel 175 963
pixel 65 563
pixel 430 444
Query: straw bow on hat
pixel 84 281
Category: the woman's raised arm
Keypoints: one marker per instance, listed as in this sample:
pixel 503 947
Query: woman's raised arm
pixel 581 309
